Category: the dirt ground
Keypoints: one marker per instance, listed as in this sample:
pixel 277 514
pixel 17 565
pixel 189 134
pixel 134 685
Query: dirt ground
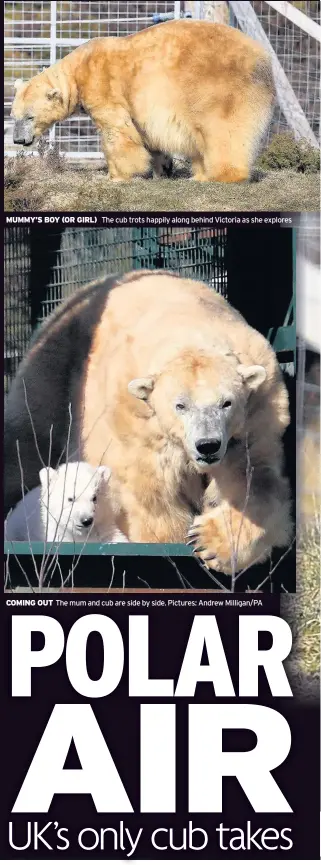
pixel 31 184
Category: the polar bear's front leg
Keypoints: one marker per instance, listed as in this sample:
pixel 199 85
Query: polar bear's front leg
pixel 228 541
pixel 241 531
pixel 123 146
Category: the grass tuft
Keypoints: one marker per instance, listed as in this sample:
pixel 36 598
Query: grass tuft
pixel 49 182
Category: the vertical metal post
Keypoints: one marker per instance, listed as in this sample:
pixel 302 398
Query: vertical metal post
pixel 177 9
pixel 53 53
pixel 294 255
pixel 197 10
pixel 232 20
pixel 194 8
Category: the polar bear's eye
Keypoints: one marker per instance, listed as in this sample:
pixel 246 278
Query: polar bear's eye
pixel 227 404
pixel 180 406
pixel 94 499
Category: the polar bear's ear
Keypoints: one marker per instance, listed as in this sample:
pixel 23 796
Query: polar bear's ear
pixel 253 376
pixel 141 388
pixel 55 94
pixel 46 475
pixel 104 472
pixel 18 83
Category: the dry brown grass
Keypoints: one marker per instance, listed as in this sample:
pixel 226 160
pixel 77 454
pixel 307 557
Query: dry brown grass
pixel 38 184
pixel 302 611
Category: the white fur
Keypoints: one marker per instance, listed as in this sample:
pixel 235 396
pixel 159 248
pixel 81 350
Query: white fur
pixel 57 509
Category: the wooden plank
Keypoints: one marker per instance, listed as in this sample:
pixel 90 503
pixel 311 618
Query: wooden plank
pixel 287 99
pixel 297 17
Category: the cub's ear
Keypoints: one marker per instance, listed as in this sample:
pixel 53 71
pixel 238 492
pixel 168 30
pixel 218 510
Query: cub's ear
pixel 55 95
pixel 141 388
pixel 46 475
pixel 104 472
pixel 253 376
pixel 18 83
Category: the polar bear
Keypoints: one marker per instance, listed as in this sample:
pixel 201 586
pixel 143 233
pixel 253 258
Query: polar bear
pixel 66 506
pixel 201 90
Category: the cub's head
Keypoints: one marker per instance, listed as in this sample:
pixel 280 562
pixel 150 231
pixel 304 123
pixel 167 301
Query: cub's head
pixel 200 402
pixel 71 493
pixel 35 108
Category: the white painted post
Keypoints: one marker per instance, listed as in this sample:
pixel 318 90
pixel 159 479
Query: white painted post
pixel 216 11
pixel 177 9
pixel 287 99
pixel 53 53
pixel 194 8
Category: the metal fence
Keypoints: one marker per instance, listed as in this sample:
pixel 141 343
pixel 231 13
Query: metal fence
pixel 44 267
pixel 294 46
pixel 37 34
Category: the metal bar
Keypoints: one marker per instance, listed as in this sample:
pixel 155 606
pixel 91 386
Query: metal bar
pixel 283 339
pixel 294 278
pixel 26 40
pixel 194 9
pixel 288 101
pixel 53 54
pixel 289 313
pixel 67 549
pixel 300 387
pixel 46 40
pixel 53 33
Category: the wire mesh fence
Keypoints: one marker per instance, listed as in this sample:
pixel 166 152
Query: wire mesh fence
pixel 18 325
pixel 296 62
pixel 43 267
pixel 37 34
pixel 41 271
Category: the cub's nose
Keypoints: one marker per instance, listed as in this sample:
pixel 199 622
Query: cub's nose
pixel 207 448
pixel 87 521
pixel 18 139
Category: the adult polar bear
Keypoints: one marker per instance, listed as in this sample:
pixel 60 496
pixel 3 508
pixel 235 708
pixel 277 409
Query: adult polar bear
pixel 168 384
pixel 194 88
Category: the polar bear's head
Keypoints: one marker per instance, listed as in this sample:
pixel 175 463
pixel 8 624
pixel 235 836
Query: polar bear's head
pixel 71 494
pixel 36 106
pixel 200 401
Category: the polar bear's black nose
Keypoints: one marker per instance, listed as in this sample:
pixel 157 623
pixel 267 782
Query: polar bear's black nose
pixel 87 521
pixel 208 447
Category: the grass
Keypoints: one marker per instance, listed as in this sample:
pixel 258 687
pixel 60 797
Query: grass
pixel 42 184
pixel 302 611
pixel 308 623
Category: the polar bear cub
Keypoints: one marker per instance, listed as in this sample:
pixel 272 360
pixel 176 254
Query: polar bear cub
pixel 71 504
